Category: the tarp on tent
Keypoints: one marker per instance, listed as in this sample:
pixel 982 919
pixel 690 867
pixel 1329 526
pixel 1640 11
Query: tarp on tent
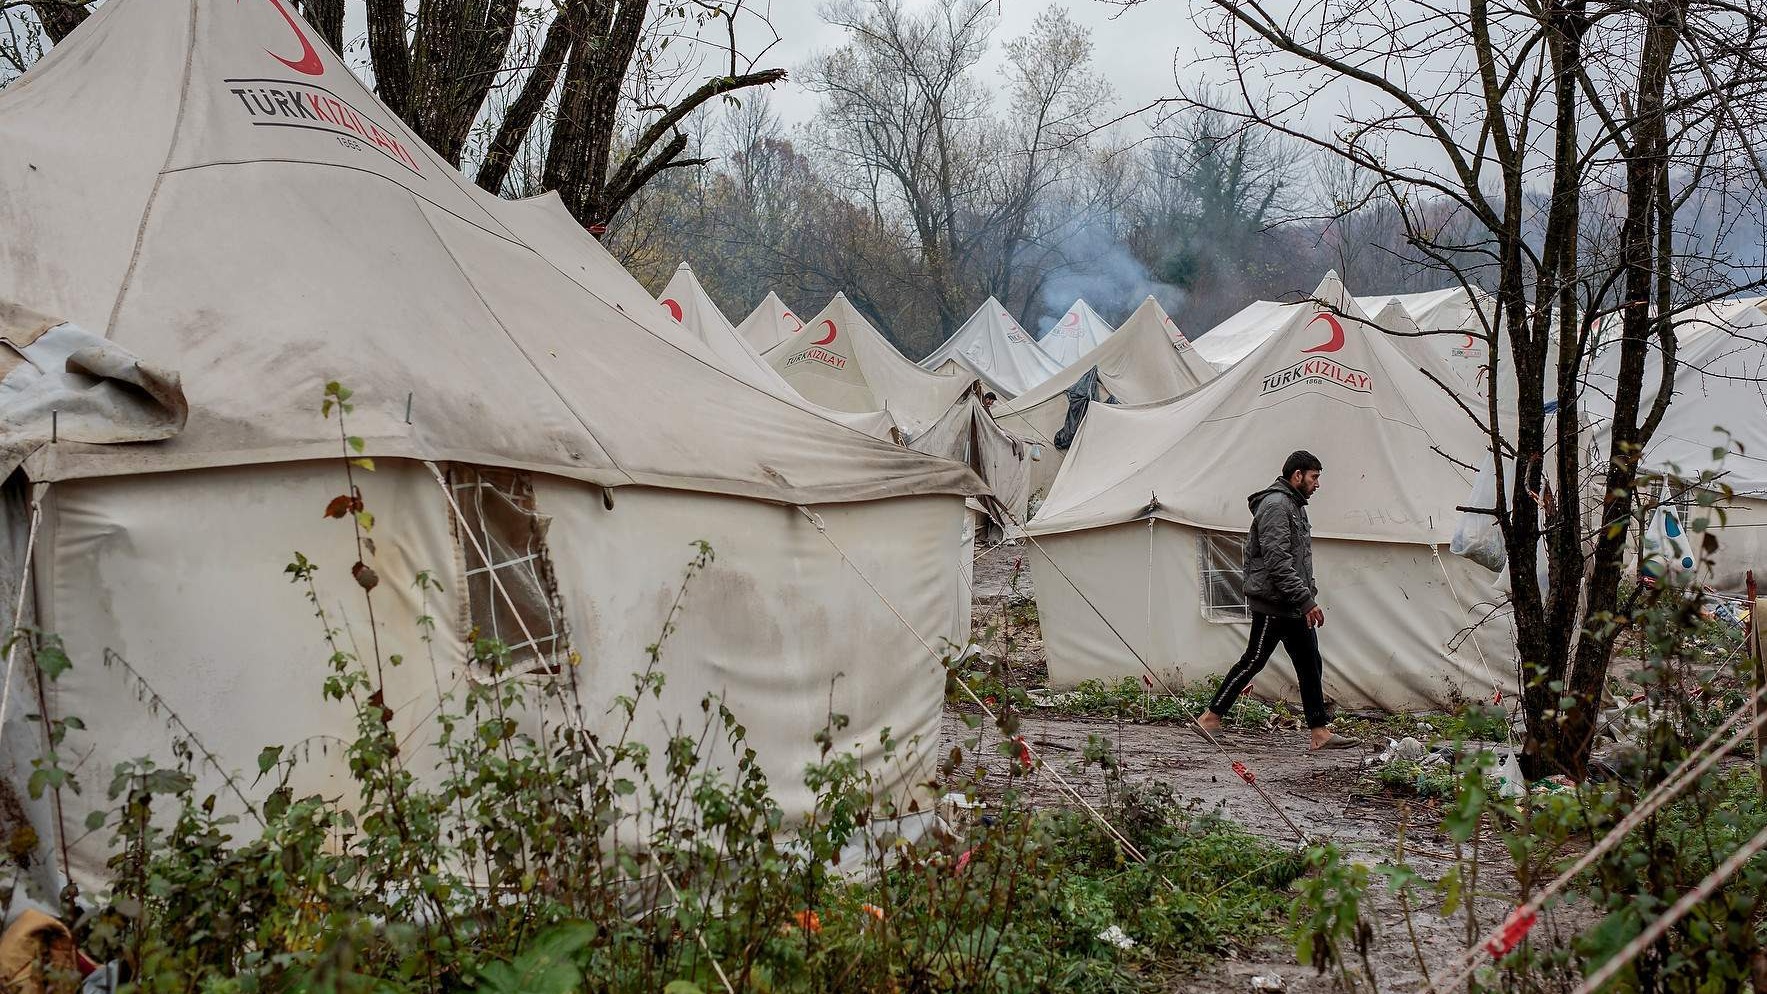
pixel 207 187
pixel 59 382
pixel 840 361
pixel 1136 365
pixel 769 324
pixel 1156 488
pixel 685 301
pixel 993 346
pixel 1076 333
pixel 969 435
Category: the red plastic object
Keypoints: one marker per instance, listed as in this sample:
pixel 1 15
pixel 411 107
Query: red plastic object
pixel 1244 774
pixel 1515 929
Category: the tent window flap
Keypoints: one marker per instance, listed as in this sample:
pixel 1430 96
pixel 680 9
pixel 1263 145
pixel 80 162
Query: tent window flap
pixel 511 588
pixel 1221 577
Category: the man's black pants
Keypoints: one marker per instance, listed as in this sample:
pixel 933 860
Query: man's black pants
pixel 1301 642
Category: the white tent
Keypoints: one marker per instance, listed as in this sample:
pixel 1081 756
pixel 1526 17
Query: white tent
pixel 1417 346
pixel 993 346
pixel 1147 520
pixel 685 301
pixel 1151 313
pixel 1719 397
pixel 841 362
pixel 1451 317
pixel 1137 365
pixel 1078 332
pixel 207 187
pixel 769 324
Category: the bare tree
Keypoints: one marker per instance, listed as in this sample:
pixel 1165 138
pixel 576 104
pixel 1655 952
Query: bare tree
pixel 904 113
pixel 1568 137
pixel 1055 97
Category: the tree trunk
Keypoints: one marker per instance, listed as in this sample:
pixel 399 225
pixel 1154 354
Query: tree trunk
pixel 1568 738
pixel 327 19
pixel 519 119
pixel 60 17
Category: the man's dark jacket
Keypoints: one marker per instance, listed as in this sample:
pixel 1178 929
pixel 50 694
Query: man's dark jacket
pixel 1279 553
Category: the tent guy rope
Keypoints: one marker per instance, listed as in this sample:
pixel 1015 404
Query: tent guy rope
pixel 1239 768
pixel 1128 847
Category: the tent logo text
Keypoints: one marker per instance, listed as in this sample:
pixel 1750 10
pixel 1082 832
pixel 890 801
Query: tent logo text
pixel 276 103
pixel 823 356
pixel 1318 369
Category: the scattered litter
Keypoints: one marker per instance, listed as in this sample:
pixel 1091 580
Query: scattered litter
pixel 1558 783
pixel 1509 778
pixel 1407 748
pixel 1049 699
pixel 1270 982
pixel 1117 937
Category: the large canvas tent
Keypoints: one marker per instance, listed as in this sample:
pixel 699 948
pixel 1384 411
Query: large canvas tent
pixel 1139 364
pixel 206 186
pixel 1145 525
pixel 1719 400
pixel 1074 334
pixel 841 362
pixel 1150 313
pixel 993 346
pixel 686 302
pixel 770 323
pixel 1452 319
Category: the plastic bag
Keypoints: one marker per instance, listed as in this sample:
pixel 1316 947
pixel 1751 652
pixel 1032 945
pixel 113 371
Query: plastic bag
pixel 1668 549
pixel 1477 536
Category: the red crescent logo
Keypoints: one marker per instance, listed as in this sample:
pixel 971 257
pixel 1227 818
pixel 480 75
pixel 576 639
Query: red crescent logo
pixel 1332 344
pixel 1072 320
pixel 824 340
pixel 673 308
pixel 797 325
pixel 309 62
pixel 1469 342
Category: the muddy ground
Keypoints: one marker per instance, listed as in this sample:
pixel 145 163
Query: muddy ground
pixel 1325 795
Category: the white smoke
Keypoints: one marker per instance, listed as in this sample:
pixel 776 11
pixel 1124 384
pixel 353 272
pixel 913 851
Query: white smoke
pixel 1095 266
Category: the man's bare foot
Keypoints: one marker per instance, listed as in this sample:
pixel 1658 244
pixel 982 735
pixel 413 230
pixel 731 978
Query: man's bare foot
pixel 1210 721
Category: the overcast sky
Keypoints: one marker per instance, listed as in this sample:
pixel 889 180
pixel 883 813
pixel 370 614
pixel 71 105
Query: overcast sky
pixel 1134 49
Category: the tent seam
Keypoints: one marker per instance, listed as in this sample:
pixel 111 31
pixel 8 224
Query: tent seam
pixel 562 399
pixel 159 178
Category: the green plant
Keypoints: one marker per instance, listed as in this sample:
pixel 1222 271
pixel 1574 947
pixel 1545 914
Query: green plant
pixel 527 851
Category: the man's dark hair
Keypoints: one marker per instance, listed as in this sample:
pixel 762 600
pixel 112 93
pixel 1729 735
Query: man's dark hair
pixel 989 396
pixel 1300 461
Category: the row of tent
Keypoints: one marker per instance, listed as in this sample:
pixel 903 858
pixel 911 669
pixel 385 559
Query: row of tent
pixel 203 231
pixel 1148 510
pixel 208 218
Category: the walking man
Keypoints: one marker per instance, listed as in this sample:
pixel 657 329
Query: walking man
pixel 1281 593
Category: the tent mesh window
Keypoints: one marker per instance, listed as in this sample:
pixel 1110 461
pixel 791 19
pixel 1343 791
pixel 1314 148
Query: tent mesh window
pixel 497 512
pixel 1220 560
